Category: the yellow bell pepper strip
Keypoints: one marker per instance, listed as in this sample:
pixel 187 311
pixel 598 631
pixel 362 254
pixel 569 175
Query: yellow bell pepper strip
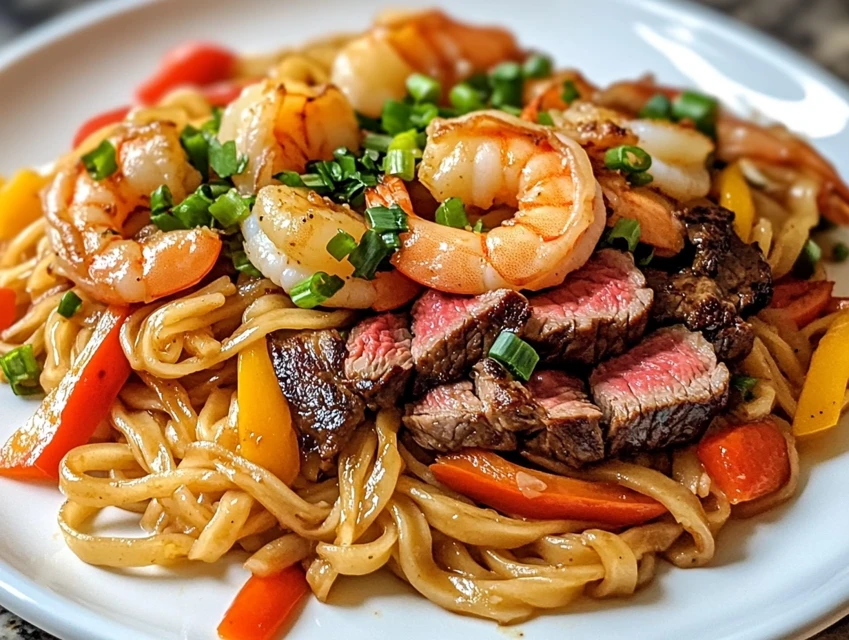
pixel 266 433
pixel 20 204
pixel 821 400
pixel 734 194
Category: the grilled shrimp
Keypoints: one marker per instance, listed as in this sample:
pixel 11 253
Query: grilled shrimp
pixel 285 236
pixel 283 126
pixel 374 67
pixel 488 158
pixel 91 223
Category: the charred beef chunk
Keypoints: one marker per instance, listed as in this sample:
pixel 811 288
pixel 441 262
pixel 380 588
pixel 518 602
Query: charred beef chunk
pixel 572 433
pixel 508 405
pixel 599 311
pixel 379 362
pixel 451 333
pixel 309 368
pixel 662 392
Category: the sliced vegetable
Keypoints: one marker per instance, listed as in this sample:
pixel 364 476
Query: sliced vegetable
pixel 222 94
pixel 230 208
pixel 507 82
pixel 700 109
pixel 193 63
pixel 315 290
pixel 515 354
pixel 658 107
pixel 491 480
pixel 803 301
pixel 423 88
pixel 570 92
pixel 806 263
pixel 69 304
pixel 377 142
pixel 97 122
pixel 369 255
pixel 263 606
pixel 224 159
pixel 544 118
pixel 626 230
pixel 839 252
pixel 745 385
pixel 266 434
pixel 22 371
pixel 537 66
pixel 735 194
pixel 401 163
pixel 452 213
pixel 627 158
pixel 746 461
pixel 20 204
pixel 382 219
pixel 821 400
pixel 465 98
pixel 341 244
pixel 8 307
pixel 101 162
pixel 69 415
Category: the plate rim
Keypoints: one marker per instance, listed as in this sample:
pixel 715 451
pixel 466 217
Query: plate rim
pixel 63 617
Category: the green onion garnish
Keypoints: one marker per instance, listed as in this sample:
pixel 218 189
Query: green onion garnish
pixel 625 229
pixel 167 222
pixel 161 200
pixel 196 146
pixel 290 178
pixel 840 252
pixel 224 158
pixel 807 261
pixel 231 208
pixel 478 228
pixel 570 92
pixel 423 88
pixel 314 181
pixel 346 160
pixel 69 304
pixel 699 108
pixel 213 190
pixel 465 98
pixel 367 122
pixel 406 141
pixel 401 163
pixel 341 244
pixel 643 255
pixel 507 83
pixel 315 290
pixel 391 240
pixel 640 179
pixel 452 213
pixel 516 355
pixel 544 117
pixel 627 158
pixel 537 66
pixel 745 385
pixel 387 219
pixel 422 114
pixel 369 254
pixel 213 125
pixel 658 107
pixel 377 142
pixel 509 108
pixel 194 210
pixel 395 117
pixel 101 161
pixel 22 371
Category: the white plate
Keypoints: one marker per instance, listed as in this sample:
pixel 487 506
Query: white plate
pixel 781 574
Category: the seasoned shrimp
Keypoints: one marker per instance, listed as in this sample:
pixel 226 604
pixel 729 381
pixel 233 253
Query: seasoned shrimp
pixel 489 158
pixel 89 221
pixel 283 126
pixel 285 236
pixel 546 94
pixel 374 67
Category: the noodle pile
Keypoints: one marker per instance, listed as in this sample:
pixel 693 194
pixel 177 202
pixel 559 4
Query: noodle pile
pixel 169 451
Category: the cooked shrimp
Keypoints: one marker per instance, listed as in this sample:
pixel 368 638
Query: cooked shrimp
pixel 285 236
pixel 374 68
pixel 89 221
pixel 546 94
pixel 283 126
pixel 489 158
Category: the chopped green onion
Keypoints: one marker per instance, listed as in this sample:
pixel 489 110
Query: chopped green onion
pixel 314 181
pixel 625 229
pixel 69 304
pixel 341 244
pixel 544 117
pixel 506 72
pixel 423 88
pixel 401 163
pixel 643 255
pixel 167 222
pixel 194 210
pixel 161 200
pixel 391 240
pixel 377 142
pixel 22 371
pixel 840 252
pixel 330 173
pixel 315 290
pixel 478 228
pixel 387 219
pixel 480 81
pixel 231 208
pixel 452 213
pixel 213 190
pixel 368 123
pixel 347 161
pixel 213 125
pixel 406 141
pixel 465 98
pixel 537 66
pixel 699 108
pixel 745 385
pixel 290 178
pixel 658 107
pixel 369 255
pixel 509 108
pixel 507 83
pixel 422 114
pixel 807 261
pixel 101 162
pixel 570 92
pixel 627 158
pixel 516 355
pixel 224 158
pixel 395 117
pixel 196 146
pixel 640 179
pixel 243 265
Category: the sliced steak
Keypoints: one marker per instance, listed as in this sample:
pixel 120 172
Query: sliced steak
pixel 379 362
pixel 572 431
pixel 451 333
pixel 662 392
pixel 507 403
pixel 599 311
pixel 309 369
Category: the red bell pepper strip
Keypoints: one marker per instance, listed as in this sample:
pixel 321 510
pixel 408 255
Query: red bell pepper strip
pixel 746 461
pixel 221 94
pixel 69 415
pixel 98 122
pixel 263 606
pixel 193 63
pixel 492 480
pixel 8 307
pixel 802 300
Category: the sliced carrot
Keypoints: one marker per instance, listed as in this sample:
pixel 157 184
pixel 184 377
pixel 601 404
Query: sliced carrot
pixel 802 300
pixel 96 123
pixel 8 307
pixel 69 415
pixel 491 480
pixel 193 63
pixel 746 461
pixel 263 606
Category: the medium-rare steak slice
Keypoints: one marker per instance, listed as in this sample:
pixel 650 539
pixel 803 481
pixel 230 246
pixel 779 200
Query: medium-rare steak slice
pixel 379 362
pixel 508 404
pixel 309 368
pixel 451 333
pixel 662 392
pixel 451 417
pixel 599 311
pixel 572 431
